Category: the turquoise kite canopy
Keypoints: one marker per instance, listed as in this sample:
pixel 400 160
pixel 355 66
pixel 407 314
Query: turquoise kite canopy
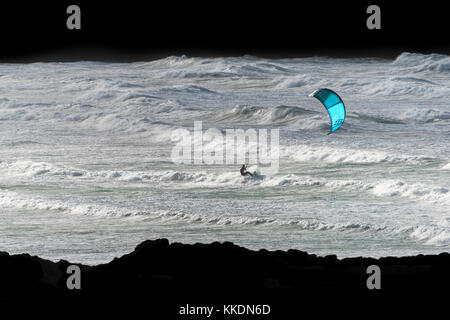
pixel 334 104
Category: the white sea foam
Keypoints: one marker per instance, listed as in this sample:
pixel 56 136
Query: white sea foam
pixel 10 199
pixel 437 234
pixel 308 153
pixel 420 191
pixel 27 168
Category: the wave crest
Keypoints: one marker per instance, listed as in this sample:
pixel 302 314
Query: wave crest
pixel 424 62
pixel 242 114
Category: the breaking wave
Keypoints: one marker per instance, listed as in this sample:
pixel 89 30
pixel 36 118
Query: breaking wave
pixel 406 86
pixel 10 199
pixel 245 114
pixel 432 234
pixel 308 153
pixel 425 115
pixel 424 62
pixel 185 179
pixel 419 191
pixel 27 168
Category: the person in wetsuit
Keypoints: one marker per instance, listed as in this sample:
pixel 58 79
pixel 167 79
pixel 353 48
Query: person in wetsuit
pixel 244 171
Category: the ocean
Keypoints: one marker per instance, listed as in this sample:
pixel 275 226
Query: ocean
pixel 87 170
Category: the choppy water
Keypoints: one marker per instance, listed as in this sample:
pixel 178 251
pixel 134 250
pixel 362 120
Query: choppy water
pixel 86 170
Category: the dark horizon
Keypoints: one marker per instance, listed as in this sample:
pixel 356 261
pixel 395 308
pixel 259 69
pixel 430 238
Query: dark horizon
pixel 108 54
pixel 139 32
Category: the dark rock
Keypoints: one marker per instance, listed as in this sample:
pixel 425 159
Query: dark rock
pixel 157 269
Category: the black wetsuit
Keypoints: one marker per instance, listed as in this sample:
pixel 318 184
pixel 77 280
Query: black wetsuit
pixel 244 171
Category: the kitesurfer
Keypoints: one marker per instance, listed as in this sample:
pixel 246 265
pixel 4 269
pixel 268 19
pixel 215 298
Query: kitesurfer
pixel 244 171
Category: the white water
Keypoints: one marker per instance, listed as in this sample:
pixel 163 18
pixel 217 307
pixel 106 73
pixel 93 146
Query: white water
pixel 86 173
